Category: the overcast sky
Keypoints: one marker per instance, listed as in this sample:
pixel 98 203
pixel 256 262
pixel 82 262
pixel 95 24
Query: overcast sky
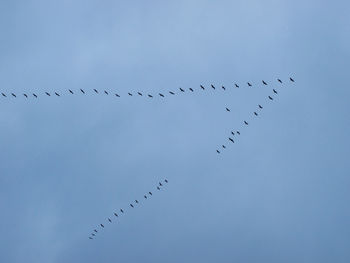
pixel 280 193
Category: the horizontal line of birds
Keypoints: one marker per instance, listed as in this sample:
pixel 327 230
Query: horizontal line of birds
pixel 122 211
pixel 95 91
pixel 255 113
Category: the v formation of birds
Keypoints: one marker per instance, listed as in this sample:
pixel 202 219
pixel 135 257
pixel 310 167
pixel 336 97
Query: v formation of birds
pixel 230 139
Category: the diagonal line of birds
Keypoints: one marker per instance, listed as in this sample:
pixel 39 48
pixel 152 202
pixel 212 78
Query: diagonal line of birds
pixel 123 211
pixel 81 91
pixel 255 114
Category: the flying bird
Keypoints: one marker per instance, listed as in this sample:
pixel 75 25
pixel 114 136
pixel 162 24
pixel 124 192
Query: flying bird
pixel 182 89
pixel 249 84
pixel 95 230
pixel 260 106
pixel 139 93
pixel 48 94
pixel 223 88
pixel 96 90
pixel 292 80
pixel 223 146
pixel 121 210
pixel 166 180
pixel 131 205
pixel 232 133
pixel 280 81
pixel 150 96
pixel 93 234
pixel 274 91
pixel 57 94
pixel 106 92
pixel 150 193
pixel 158 188
pixel 136 201
pixel 117 95
pixel 3 94
pixel 255 113
pixel 110 221
pixel 116 214
pixel 145 196
pixel 238 133
pixel 246 123
pixel 71 91
pixel 82 91
pixel 102 225
pixel 217 151
pixel 231 140
pixel 227 109
pixel 212 86
pixel 25 95
pixel 202 87
pixel 264 82
pixel 160 184
pixel 129 94
pixel 160 94
pixel 35 95
pixel 270 98
pixel 172 93
pixel 14 95
pixel 90 238
pixel 236 85
pixel 191 89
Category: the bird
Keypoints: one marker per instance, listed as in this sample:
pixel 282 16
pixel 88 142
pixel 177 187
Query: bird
pixel 106 92
pixel 90 238
pixel 260 106
pixel 166 180
pixel 158 188
pixel 82 91
pixel 217 151
pixel 145 196
pixel 182 89
pixel 255 113
pixel 93 234
pixel 150 193
pixel 292 80
pixel 232 133
pixel 3 94
pixel 150 96
pixel 280 81
pixel 129 94
pixel 96 90
pixel 231 140
pixel 264 82
pixel 191 89
pixel 246 123
pixel 227 109
pixel 71 91
pixel 136 201
pixel 270 98
pixel 223 88
pixel 57 94
pixel 249 84
pixel 35 95
pixel 131 205
pixel 223 146
pixel 238 133
pixel 274 91
pixel 139 93
pixel 25 95
pixel 236 85
pixel 212 86
pixel 102 225
pixel 14 95
pixel 116 214
pixel 202 87
pixel 110 221
pixel 172 93
pixel 117 95
pixel 160 94
pixel 121 210
pixel 95 230
pixel 48 94
pixel 160 184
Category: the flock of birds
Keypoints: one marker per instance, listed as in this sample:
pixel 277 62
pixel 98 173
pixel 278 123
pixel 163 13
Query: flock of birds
pixel 122 211
pixel 255 113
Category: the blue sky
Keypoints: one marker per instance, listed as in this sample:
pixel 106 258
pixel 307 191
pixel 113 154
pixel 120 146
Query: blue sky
pixel 279 194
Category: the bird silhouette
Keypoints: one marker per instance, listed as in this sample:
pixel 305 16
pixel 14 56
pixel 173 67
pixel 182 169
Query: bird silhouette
pixel 223 88
pixel 223 146
pixel 236 85
pixel 129 94
pixel 150 96
pixel 35 95
pixel 121 210
pixel 270 98
pixel 255 113
pixel 106 92
pixel 90 238
pixel 3 94
pixel 48 94
pixel 249 84
pixel 231 140
pixel 96 90
pixel 217 151
pixel 117 95
pixel 14 95
pixel 160 94
pixel 172 93
pixel 110 221
pixel 280 81
pixel 260 106
pixel 246 123
pixel 202 87
pixel 139 93
pixel 145 196
pixel 292 80
pixel 82 91
pixel 191 89
pixel 227 109
pixel 93 234
pixel 150 193
pixel 136 201
pixel 232 133
pixel 264 82
pixel 238 132
pixel 160 184
pixel 131 205
pixel 166 180
pixel 182 89
pixel 57 94
pixel 25 95
pixel 212 86
pixel 116 214
pixel 158 188
pixel 102 225
pixel 274 91
pixel 71 91
pixel 95 230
